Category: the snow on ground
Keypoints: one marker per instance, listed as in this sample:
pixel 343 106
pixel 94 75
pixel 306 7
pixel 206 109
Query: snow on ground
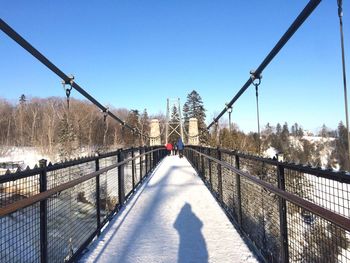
pixel 270 152
pixel 314 139
pixel 172 218
pixel 30 156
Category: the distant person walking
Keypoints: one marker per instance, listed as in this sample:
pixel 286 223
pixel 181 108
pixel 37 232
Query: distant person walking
pixel 180 147
pixel 169 148
pixel 175 148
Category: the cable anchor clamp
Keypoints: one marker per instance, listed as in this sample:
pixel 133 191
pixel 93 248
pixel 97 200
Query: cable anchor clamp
pixel 68 90
pixel 256 79
pixel 105 114
pixel 228 108
pixel 340 8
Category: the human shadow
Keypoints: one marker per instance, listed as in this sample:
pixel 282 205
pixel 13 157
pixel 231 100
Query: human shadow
pixel 192 246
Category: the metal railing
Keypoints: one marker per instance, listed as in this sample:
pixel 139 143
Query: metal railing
pixel 51 213
pixel 287 212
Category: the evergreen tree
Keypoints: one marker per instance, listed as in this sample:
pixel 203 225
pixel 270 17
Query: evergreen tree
pixel 295 129
pixel 278 129
pixel 342 147
pixel 285 130
pixel 194 108
pixel 130 137
pixel 185 111
pixel 324 131
pixel 67 140
pixel 300 132
pixel 144 124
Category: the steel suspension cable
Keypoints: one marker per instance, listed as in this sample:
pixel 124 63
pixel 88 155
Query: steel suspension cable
pixel 257 114
pixel 256 80
pixel 66 79
pixel 340 15
pixel 305 13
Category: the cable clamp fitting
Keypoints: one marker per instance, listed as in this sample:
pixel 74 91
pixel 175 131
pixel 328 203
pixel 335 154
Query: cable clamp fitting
pixel 105 114
pixel 68 90
pixel 256 79
pixel 228 108
pixel 340 8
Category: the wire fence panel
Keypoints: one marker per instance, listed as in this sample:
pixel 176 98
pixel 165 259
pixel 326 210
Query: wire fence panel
pixel 20 236
pixel 137 168
pixel 228 189
pixel 109 196
pixel 20 231
pixel 314 239
pixel 280 230
pixel 71 220
pixel 128 176
pixel 79 200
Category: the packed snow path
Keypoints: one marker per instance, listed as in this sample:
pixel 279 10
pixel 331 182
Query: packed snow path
pixel 172 218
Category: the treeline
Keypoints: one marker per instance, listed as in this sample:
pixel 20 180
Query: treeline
pixel 289 142
pixel 54 127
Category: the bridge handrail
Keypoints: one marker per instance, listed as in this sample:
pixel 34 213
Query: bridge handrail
pixel 100 194
pixel 340 176
pixel 335 218
pixel 287 212
pixel 44 195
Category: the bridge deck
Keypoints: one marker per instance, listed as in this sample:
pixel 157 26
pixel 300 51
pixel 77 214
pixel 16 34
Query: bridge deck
pixel 172 218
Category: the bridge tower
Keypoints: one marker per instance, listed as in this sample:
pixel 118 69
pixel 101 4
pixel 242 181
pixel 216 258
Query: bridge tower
pixel 193 134
pixel 174 125
pixel 155 133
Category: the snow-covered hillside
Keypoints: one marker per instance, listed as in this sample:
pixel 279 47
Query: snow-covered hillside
pixel 30 156
pixel 317 150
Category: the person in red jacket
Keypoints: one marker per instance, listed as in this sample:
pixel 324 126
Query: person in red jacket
pixel 169 148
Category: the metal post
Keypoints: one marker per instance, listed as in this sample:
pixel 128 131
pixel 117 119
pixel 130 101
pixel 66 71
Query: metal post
pixel 154 158
pixel 43 213
pixel 210 180
pixel 202 161
pixel 283 216
pixel 146 160
pixel 133 167
pixel 198 159
pixel 219 176
pixel 98 197
pixel 121 191
pixel 141 168
pixel 238 190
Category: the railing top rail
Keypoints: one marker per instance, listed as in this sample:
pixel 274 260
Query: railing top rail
pixel 337 219
pixel 44 195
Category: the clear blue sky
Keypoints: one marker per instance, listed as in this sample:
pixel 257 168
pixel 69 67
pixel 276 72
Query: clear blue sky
pixel 135 54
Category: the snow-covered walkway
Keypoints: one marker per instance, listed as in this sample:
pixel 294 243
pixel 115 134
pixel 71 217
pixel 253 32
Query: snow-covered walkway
pixel 172 218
